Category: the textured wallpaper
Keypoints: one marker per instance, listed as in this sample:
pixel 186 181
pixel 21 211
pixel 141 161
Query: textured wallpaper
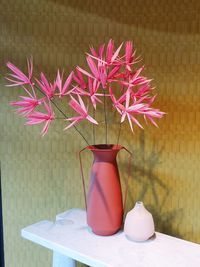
pixel 40 175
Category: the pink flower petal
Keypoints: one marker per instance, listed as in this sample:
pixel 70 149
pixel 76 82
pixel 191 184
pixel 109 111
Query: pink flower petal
pixel 71 124
pixel 116 53
pixel 89 118
pixel 93 67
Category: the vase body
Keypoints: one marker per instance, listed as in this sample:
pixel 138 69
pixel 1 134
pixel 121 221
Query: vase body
pixel 104 197
pixel 139 224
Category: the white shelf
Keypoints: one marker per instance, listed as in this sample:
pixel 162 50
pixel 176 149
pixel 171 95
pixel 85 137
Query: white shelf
pixel 71 239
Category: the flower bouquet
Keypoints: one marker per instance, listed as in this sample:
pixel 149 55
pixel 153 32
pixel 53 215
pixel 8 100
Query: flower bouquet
pixel 111 75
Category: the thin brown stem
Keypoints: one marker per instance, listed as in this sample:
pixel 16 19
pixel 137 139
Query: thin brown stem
pixel 105 117
pixel 119 132
pixel 93 127
pixel 120 127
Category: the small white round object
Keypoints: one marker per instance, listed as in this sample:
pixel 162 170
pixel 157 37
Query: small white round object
pixel 139 224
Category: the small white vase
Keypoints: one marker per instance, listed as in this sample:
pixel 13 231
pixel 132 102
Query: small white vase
pixel 139 224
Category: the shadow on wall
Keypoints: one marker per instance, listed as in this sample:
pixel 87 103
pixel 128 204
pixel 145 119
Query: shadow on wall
pixel 148 187
pixel 159 15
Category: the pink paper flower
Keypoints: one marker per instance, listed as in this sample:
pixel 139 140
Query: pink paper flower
pixel 78 78
pixel 98 54
pixel 63 88
pixel 80 108
pixel 102 73
pixel 127 111
pixel 117 103
pixel 151 113
pixel 26 105
pixel 129 56
pixel 40 117
pixel 134 79
pixel 47 88
pixel 112 74
pixel 18 78
pixel 136 108
pixel 110 57
pixel 93 86
pixel 143 90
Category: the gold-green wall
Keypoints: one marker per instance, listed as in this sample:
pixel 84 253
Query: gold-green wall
pixel 40 177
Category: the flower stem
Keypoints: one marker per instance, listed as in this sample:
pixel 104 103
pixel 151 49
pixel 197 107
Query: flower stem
pixel 64 115
pixel 93 127
pixel 119 132
pixel 105 117
pixel 120 127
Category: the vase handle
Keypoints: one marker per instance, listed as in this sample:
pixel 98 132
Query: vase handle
pixel 82 176
pixel 128 176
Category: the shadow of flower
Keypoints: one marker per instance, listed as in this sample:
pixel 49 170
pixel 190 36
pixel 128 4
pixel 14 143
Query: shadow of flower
pixel 147 186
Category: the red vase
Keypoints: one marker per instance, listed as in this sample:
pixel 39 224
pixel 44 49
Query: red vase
pixel 104 198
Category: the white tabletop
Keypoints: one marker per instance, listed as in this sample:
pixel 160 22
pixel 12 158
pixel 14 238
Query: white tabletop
pixel 69 235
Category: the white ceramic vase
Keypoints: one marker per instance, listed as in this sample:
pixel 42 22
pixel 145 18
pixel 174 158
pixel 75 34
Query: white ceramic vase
pixel 139 224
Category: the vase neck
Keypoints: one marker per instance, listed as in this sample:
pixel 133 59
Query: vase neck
pixel 139 205
pixel 105 153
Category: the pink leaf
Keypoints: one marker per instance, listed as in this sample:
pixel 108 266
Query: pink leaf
pixel 91 119
pixel 20 77
pixel 136 122
pixel 85 72
pixel 92 67
pixel 76 106
pixel 109 52
pixel 71 124
pixel 116 53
